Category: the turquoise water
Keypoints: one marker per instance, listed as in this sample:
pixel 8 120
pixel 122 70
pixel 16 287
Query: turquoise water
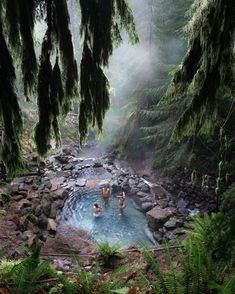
pixel 127 229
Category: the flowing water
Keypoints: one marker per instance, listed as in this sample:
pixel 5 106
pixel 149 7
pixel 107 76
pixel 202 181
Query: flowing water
pixel 127 229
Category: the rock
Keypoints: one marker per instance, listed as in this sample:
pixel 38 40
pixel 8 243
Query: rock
pixel 158 236
pixel 38 210
pixel 60 194
pixel 142 194
pixel 181 205
pixel 64 173
pixel 23 237
pixel 159 192
pixel 146 206
pixel 169 235
pixel 47 185
pixel 125 186
pixel 158 216
pixel 17 197
pixel 163 203
pixel 42 222
pixel 66 151
pixel 46 207
pixel 97 164
pixel 171 223
pixel 28 181
pixel 134 191
pixel 23 193
pixel 68 166
pixel 23 223
pixel 14 189
pixel 32 238
pixel 114 185
pixel 23 203
pixel 52 226
pixel 143 187
pixel 81 182
pixel 61 158
pixel 179 231
pixel 55 207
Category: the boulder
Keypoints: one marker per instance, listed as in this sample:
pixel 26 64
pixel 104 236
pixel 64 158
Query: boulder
pixel 146 206
pixel 157 216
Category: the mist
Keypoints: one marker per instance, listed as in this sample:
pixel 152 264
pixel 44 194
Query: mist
pixel 134 67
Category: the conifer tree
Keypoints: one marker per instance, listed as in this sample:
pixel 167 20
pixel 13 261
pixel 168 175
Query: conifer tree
pixel 55 83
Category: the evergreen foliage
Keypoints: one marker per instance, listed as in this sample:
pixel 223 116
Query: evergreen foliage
pixel 101 32
pixel 207 67
pixel 55 80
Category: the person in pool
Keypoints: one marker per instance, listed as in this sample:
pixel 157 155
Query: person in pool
pixel 106 193
pixel 121 201
pixel 97 210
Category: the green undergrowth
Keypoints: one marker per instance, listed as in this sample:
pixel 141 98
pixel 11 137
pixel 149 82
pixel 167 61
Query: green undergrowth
pixel 202 263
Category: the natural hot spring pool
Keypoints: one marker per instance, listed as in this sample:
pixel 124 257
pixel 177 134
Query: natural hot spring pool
pixel 127 229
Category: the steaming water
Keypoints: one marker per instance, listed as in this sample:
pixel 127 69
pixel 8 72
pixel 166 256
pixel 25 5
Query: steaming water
pixel 127 229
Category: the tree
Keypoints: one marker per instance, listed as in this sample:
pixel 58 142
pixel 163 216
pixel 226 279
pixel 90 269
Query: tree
pixel 55 83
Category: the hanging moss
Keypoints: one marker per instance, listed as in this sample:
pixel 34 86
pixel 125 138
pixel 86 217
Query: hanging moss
pixel 207 66
pixel 101 25
pixel 56 83
pixel 10 113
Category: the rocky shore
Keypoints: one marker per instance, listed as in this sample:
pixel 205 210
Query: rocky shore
pixel 35 202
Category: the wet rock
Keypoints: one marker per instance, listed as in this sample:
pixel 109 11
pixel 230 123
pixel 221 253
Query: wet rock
pixel 146 206
pixel 125 186
pixel 97 164
pixel 157 216
pixel 134 191
pixel 64 173
pixel 81 182
pixel 69 166
pixel 142 194
pixel 143 187
pixel 114 185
